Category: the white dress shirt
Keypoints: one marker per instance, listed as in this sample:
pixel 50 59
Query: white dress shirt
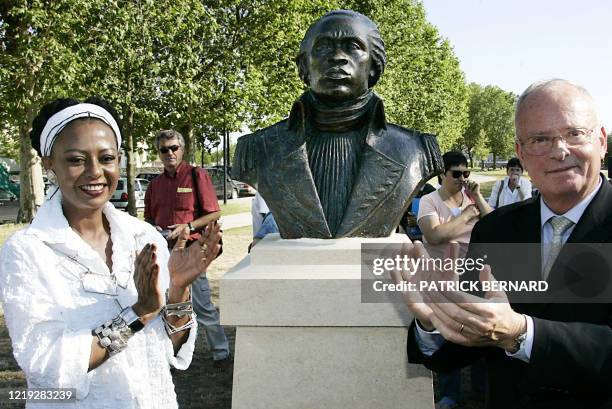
pixel 508 196
pixel 430 342
pixel 55 289
pixel 259 209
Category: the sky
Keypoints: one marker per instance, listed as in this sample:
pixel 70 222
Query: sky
pixel 513 43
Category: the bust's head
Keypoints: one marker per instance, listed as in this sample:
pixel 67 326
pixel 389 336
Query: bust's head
pixel 341 56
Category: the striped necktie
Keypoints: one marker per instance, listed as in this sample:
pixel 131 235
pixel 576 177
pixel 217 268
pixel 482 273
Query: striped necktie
pixel 559 224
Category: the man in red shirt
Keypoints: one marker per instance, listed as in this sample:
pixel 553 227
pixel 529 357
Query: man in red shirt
pixel 182 199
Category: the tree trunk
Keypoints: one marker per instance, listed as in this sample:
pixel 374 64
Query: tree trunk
pixel 32 187
pixel 187 132
pixel 494 161
pixel 128 114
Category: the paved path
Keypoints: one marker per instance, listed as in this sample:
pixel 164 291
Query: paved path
pixel 8 211
pixel 236 220
pixel 483 178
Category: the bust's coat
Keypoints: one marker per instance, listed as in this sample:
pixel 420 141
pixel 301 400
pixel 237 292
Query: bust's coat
pixel 396 162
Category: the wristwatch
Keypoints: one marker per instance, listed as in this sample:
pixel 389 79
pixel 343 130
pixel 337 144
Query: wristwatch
pixel 131 319
pixel 520 338
pixel 191 228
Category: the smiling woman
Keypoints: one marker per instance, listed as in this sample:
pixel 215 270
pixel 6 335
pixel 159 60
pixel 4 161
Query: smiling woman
pixel 85 164
pixel 82 286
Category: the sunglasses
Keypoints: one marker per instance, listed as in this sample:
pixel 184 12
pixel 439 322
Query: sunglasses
pixel 172 148
pixel 457 173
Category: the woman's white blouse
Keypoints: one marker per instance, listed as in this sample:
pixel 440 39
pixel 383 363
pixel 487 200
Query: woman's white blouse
pixel 55 289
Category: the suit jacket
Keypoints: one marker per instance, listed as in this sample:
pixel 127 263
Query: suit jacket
pixel 571 358
pixel 396 162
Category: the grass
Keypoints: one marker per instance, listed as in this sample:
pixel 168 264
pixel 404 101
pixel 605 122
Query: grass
pixel 235 207
pixel 235 244
pixel 7 229
pixel 485 189
pixel 497 172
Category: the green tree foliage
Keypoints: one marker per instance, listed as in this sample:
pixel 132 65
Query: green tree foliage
pixel 474 140
pixel 205 67
pixel 491 122
pixel 268 54
pixel 423 85
pixel 119 52
pixel 500 113
pixel 36 65
pixel 9 142
pixel 201 75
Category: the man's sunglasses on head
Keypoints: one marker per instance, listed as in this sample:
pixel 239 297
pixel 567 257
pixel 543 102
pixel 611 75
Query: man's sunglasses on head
pixel 457 173
pixel 172 148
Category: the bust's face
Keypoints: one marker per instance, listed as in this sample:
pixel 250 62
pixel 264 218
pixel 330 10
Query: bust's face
pixel 339 62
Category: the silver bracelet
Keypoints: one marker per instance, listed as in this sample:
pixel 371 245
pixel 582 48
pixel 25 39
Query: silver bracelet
pixel 180 309
pixel 171 329
pixel 113 335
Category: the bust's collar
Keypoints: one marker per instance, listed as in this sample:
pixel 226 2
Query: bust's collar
pixel 299 113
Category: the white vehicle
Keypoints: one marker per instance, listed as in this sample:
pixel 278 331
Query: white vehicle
pixel 120 197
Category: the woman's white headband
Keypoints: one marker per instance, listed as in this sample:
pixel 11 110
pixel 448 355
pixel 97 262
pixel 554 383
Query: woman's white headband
pixel 61 119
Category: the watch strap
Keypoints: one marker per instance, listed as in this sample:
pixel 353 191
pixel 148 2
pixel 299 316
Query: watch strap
pixel 520 339
pixel 131 319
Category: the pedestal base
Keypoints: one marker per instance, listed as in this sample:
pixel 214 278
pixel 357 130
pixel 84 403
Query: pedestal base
pixel 304 340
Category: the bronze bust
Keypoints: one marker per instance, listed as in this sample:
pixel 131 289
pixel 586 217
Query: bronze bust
pixel 335 167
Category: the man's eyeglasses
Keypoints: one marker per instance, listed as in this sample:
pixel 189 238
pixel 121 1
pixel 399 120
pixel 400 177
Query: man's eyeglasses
pixel 539 145
pixel 172 148
pixel 457 173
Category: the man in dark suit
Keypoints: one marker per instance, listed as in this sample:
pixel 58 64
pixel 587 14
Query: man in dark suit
pixel 551 354
pixel 335 167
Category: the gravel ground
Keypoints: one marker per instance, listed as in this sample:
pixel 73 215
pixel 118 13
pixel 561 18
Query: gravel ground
pixel 199 387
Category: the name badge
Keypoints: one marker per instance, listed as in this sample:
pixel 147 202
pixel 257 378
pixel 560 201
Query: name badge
pixel 184 190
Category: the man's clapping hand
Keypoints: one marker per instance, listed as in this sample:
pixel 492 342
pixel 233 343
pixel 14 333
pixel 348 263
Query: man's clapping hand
pixel 187 263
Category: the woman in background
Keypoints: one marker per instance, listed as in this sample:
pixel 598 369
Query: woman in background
pixel 511 189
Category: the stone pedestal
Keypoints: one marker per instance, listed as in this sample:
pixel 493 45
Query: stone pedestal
pixel 304 339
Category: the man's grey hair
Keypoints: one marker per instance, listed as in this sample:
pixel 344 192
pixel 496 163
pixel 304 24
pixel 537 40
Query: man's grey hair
pixel 541 86
pixel 377 46
pixel 169 134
